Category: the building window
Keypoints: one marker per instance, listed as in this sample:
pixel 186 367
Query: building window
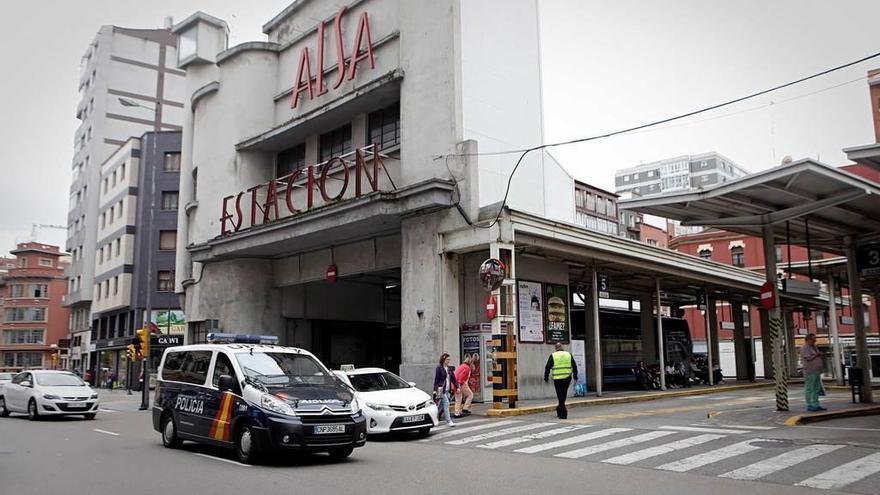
pixel 650 173
pixel 115 285
pixel 580 198
pixel 98 292
pixel 119 210
pixel 118 246
pixel 612 209
pixel 651 242
pixel 22 262
pixel 17 290
pixel 24 336
pixel 106 184
pixel 23 359
pixel 738 257
pixel 816 254
pixel 169 200
pixel 706 254
pixel 45 262
pixel 25 314
pixel 167 240
pixel 601 205
pixel 114 179
pixel 112 211
pixel 103 219
pixel 591 202
pixel 626 178
pixel 122 172
pixel 289 160
pixel 335 143
pixel 383 127
pixel 38 290
pixel 778 254
pixel 172 162
pixel 166 281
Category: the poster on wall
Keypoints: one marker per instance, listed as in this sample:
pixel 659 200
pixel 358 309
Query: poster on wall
pixel 172 322
pixel 531 311
pixel 556 311
pixel 578 351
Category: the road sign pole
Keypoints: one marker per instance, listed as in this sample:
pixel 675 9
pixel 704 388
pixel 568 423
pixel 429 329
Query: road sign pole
pixel 780 370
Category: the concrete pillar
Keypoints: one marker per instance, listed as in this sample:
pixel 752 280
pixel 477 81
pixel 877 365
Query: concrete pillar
pixel 855 291
pixel 833 331
pixel 744 370
pixel 766 344
pixel 649 339
pixel 597 341
pixel 591 347
pixel 712 330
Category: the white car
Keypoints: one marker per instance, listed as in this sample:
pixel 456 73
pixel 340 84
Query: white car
pixel 48 393
pixel 389 402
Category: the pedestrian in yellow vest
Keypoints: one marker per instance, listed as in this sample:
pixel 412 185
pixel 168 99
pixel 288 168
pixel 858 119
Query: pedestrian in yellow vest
pixel 562 365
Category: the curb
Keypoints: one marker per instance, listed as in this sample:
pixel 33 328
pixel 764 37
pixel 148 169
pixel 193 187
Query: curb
pixel 801 419
pixel 522 411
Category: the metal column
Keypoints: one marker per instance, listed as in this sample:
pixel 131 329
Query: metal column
pixel 597 345
pixel 775 321
pixel 855 297
pixel 708 321
pixel 832 325
pixel 661 347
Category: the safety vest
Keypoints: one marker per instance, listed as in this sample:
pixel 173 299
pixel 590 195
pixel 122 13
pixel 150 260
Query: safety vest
pixel 561 365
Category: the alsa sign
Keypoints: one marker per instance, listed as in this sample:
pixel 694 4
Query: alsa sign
pixel 362 50
pixel 280 200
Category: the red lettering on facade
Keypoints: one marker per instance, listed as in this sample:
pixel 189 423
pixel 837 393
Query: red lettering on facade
pixel 310 186
pixel 356 55
pixel 290 181
pixel 340 49
pixel 322 184
pixel 320 81
pixel 271 203
pixel 305 69
pixel 225 216
pixel 255 205
pixel 238 213
pixel 361 165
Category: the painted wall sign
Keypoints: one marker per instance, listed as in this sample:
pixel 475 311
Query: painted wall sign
pixel 280 203
pixel 346 65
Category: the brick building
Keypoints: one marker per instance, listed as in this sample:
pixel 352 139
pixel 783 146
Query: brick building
pixel 34 323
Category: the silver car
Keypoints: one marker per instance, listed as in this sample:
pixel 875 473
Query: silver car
pixel 48 393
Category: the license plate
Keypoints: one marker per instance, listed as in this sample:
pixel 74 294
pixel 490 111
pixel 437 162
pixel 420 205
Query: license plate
pixel 76 405
pixel 320 429
pixel 414 419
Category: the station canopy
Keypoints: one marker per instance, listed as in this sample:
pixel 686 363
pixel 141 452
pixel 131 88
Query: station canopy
pixel 795 198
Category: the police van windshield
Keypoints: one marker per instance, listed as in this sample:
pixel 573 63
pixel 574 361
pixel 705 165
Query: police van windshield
pixel 281 369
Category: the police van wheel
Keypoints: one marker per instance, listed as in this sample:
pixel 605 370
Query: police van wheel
pixel 341 453
pixel 169 432
pixel 245 446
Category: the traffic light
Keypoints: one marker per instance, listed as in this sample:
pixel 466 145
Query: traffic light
pixel 143 336
pixel 132 353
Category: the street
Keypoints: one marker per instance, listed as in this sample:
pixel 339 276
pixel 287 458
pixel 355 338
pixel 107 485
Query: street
pixel 665 446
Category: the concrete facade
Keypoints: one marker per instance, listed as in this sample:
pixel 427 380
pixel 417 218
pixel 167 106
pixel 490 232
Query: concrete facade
pixel 121 64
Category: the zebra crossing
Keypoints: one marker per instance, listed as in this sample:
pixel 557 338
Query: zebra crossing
pixel 731 451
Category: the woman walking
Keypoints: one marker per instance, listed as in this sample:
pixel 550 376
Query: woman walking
pixel 444 382
pixel 462 375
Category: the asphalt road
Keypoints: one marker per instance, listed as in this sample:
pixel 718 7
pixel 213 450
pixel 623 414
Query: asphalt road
pixel 650 448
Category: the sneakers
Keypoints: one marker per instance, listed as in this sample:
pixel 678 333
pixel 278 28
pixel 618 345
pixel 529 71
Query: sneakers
pixel 816 409
pixel 450 424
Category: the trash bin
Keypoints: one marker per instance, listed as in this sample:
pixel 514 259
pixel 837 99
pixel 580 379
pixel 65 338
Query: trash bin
pixel 856 379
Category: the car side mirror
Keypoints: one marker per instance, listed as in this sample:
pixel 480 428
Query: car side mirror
pixel 412 384
pixel 226 383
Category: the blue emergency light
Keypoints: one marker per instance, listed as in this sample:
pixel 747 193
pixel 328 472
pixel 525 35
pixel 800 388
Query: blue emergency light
pixel 241 338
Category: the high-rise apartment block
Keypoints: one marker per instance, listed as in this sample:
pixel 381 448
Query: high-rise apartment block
pixel 681 173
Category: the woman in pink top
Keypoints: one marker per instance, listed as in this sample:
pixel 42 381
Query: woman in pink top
pixel 462 374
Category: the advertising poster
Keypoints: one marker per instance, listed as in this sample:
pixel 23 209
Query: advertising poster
pixel 578 352
pixel 556 311
pixel 470 346
pixel 170 322
pixel 531 311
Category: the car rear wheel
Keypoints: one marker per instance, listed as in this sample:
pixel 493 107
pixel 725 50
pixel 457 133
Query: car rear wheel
pixel 32 412
pixel 3 411
pixel 245 446
pixel 341 453
pixel 169 432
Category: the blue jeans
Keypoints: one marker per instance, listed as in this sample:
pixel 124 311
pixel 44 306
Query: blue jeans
pixel 444 406
pixel 812 383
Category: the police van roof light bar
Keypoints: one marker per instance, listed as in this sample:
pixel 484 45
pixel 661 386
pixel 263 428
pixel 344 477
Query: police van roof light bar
pixel 239 338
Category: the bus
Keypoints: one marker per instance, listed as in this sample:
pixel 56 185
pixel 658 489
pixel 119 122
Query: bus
pixel 621 336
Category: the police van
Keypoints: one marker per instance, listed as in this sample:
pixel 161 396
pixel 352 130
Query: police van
pixel 245 393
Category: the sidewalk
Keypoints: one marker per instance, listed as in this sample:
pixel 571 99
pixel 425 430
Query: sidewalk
pixel 535 406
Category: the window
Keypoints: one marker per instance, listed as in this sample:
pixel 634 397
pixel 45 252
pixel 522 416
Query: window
pixel 118 246
pixel 223 366
pixel 591 202
pixel 106 288
pixel 101 255
pixel 166 281
pixel 601 205
pixel 23 360
pixel 650 173
pixel 22 262
pixel 626 178
pixel 580 198
pixel 816 254
pixel 612 210
pixel 119 210
pixel 45 262
pixel 25 314
pixel 103 219
pixel 169 200
pixel 114 179
pixel 17 290
pixel 172 162
pixel 116 285
pixel 706 254
pixel 167 240
pixel 24 336
pixel 38 290
pixel 738 257
pixel 122 172
pixel 98 292
pixel 106 184
pixel 383 127
pixel 288 160
pixel 112 210
pixel 187 366
pixel 334 143
pixel 778 254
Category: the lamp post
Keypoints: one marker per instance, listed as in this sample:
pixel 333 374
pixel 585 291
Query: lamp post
pixel 157 110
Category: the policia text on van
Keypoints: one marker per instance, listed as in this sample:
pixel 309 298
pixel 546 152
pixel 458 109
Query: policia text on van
pixel 255 398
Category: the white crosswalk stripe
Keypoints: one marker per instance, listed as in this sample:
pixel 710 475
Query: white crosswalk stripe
pixel 507 442
pixel 586 437
pixel 641 455
pixel 499 433
pixel 706 458
pixel 780 462
pixel 703 429
pixel 451 432
pixel 845 474
pixel 741 427
pixel 615 444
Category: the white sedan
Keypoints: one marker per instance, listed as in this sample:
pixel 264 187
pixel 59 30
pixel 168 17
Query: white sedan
pixel 389 402
pixel 48 393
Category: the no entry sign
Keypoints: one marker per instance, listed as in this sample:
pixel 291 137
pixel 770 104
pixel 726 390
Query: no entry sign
pixel 768 295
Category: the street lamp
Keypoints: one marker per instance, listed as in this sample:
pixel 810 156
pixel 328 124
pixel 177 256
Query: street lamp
pixel 157 110
pixel 126 102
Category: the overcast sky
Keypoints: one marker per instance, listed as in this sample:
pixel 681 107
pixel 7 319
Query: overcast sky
pixel 606 65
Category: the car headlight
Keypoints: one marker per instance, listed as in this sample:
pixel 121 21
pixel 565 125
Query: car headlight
pixel 51 397
pixel 427 403
pixel 355 406
pixel 94 396
pixel 274 404
pixel 378 407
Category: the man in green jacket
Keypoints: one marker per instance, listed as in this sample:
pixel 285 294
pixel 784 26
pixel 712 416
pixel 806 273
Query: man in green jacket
pixel 563 367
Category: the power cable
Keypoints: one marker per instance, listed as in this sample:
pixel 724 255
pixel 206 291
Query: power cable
pixel 643 126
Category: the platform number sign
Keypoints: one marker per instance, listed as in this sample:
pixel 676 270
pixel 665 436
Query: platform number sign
pixel 603 286
pixel 868 260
